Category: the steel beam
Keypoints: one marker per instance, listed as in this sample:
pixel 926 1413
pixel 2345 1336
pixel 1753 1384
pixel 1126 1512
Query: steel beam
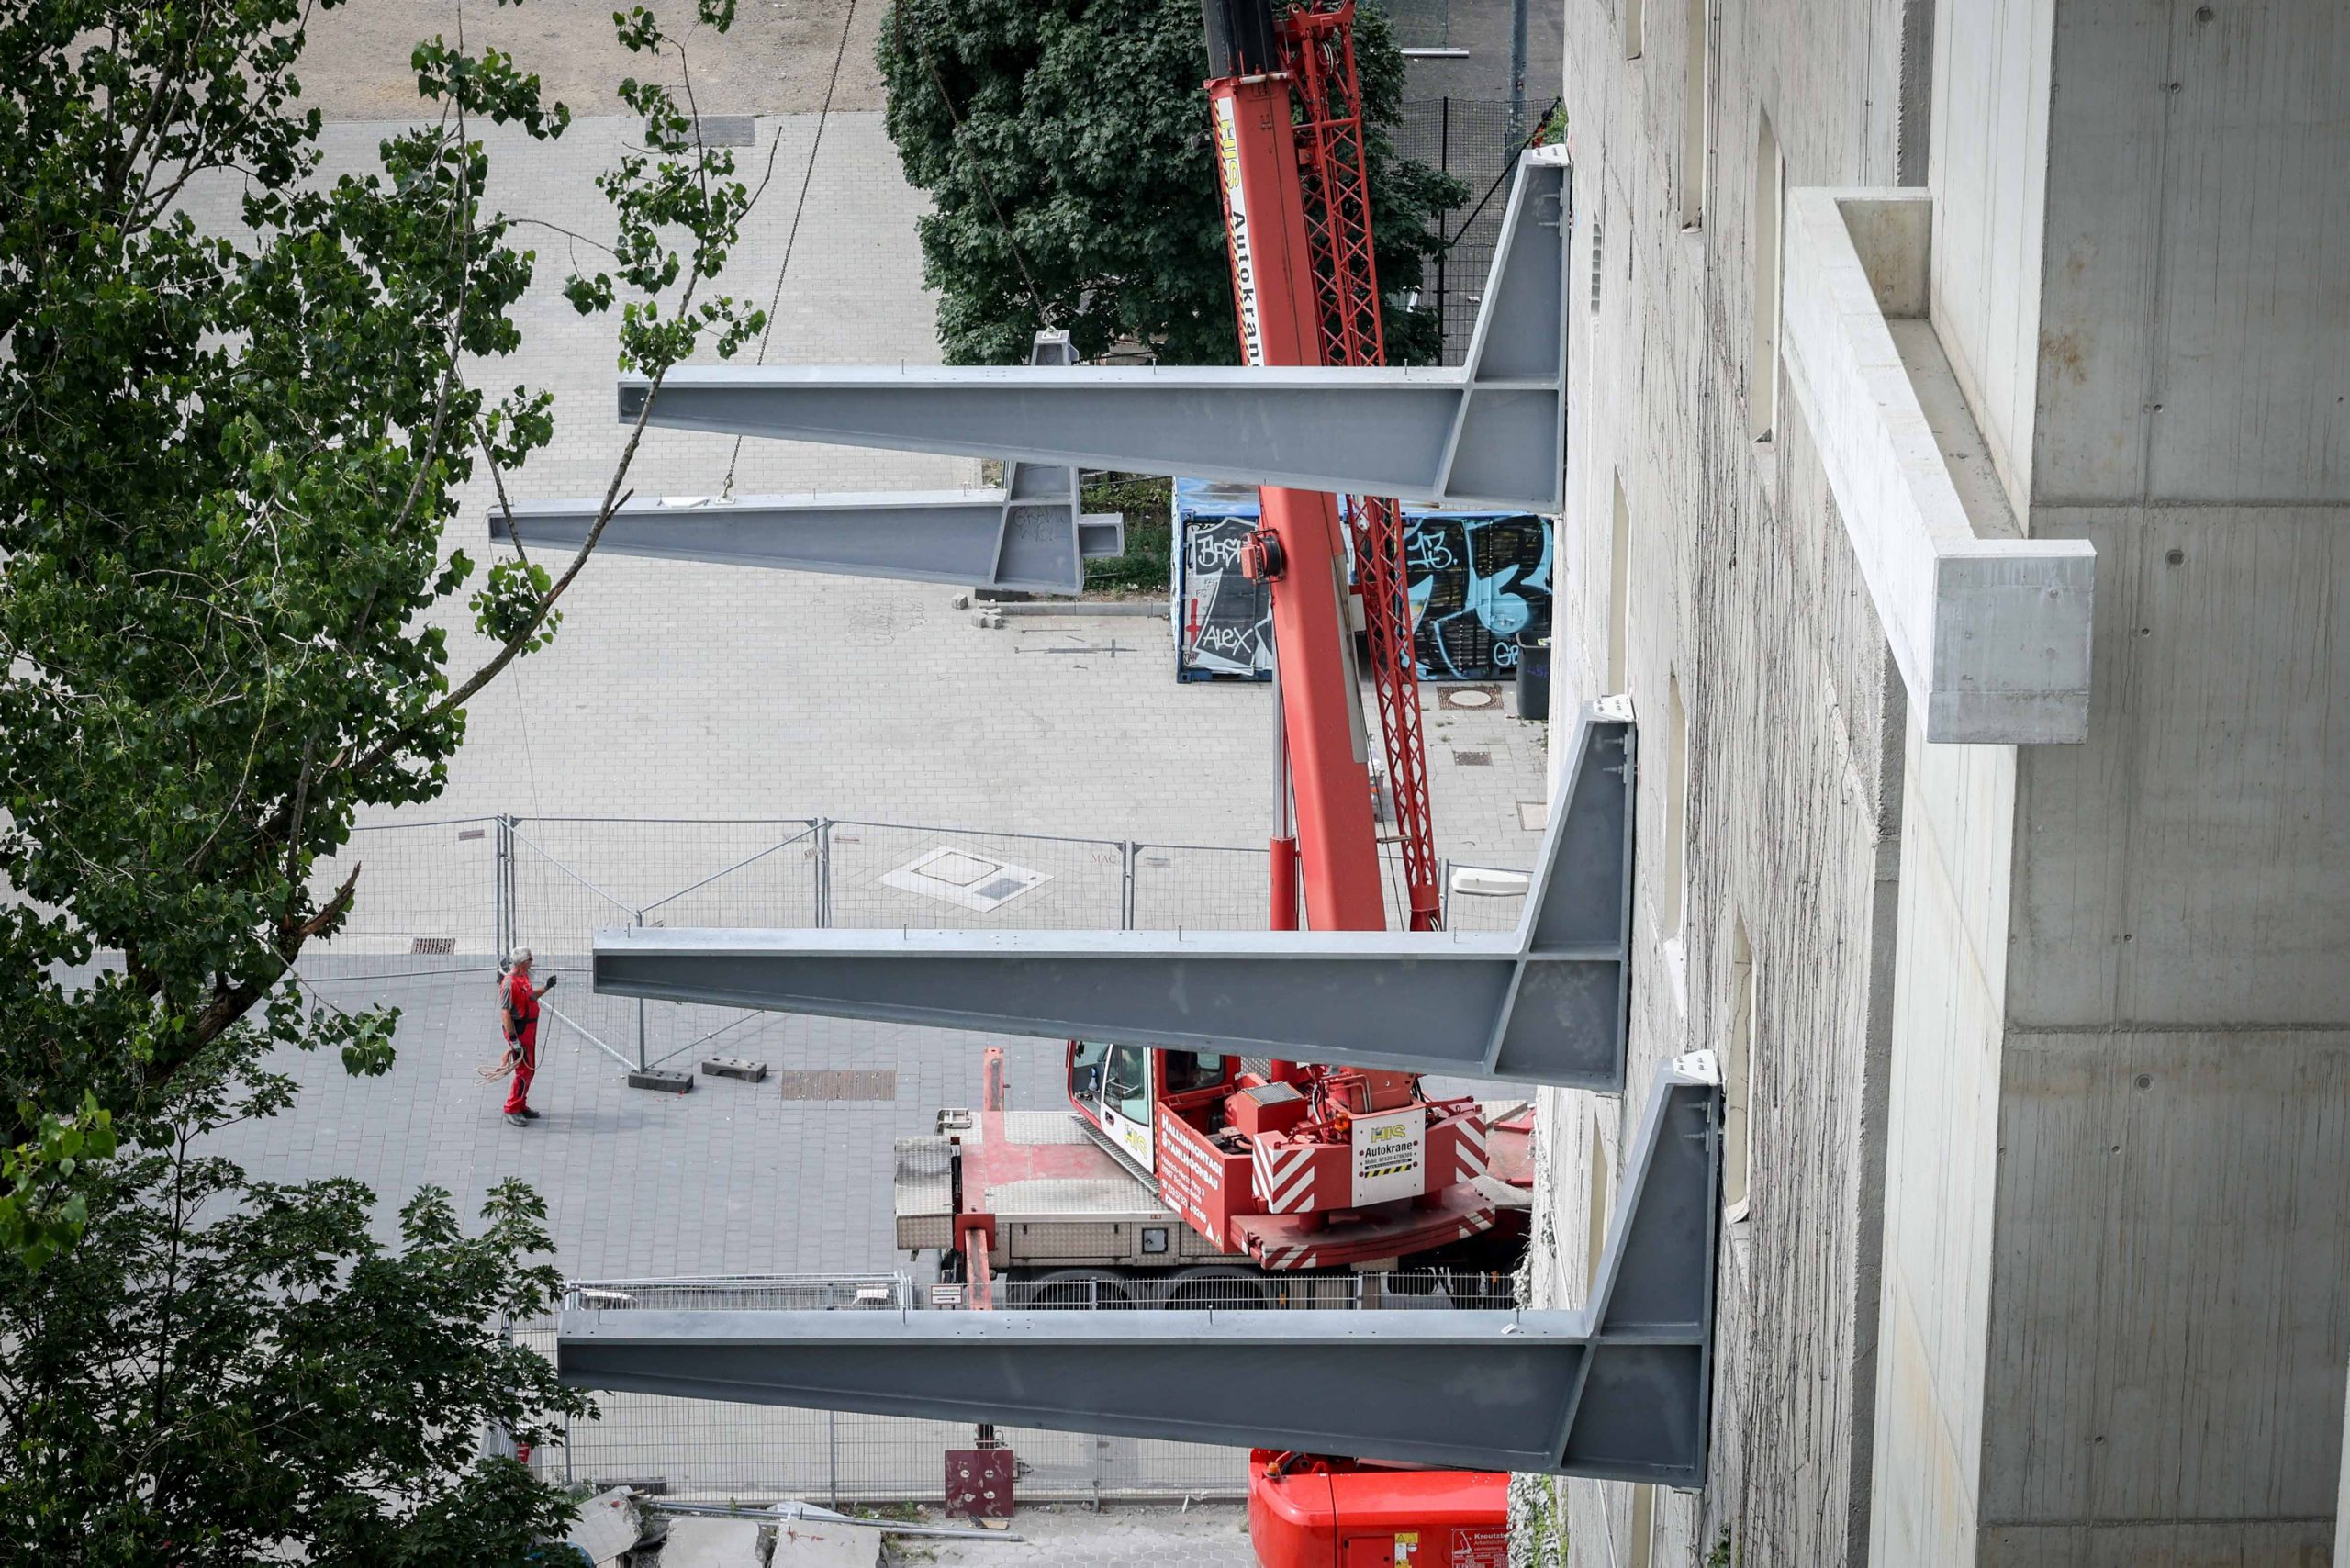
pixel 1030 535
pixel 1618 1389
pixel 1543 1004
pixel 990 539
pixel 1491 433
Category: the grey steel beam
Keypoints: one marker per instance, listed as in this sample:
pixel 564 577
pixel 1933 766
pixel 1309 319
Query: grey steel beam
pixel 1619 1389
pixel 1491 433
pixel 1030 535
pixel 991 539
pixel 1545 1004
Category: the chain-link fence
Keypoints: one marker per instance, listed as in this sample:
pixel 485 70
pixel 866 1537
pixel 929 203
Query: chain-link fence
pixel 714 1449
pixel 1477 140
pixel 457 895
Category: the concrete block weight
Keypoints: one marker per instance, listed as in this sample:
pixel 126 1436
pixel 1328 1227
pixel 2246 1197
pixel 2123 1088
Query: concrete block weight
pixel 735 1066
pixel 660 1080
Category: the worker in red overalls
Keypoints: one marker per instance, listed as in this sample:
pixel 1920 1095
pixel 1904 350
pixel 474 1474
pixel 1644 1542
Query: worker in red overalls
pixel 517 1008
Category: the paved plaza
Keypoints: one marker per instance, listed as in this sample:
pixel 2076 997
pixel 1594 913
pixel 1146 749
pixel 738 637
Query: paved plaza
pixel 677 691
pixel 1215 1536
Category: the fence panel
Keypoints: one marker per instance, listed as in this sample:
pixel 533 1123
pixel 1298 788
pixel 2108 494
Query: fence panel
pixel 425 888
pixel 574 876
pixel 885 874
pixel 1480 911
pixel 1478 141
pixel 1199 887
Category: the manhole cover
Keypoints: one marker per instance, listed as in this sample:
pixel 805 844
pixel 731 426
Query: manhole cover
pixel 1472 759
pixel 1475 698
pixel 959 868
pixel 964 877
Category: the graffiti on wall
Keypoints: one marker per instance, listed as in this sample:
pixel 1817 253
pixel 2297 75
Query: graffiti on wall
pixel 1224 620
pixel 1477 584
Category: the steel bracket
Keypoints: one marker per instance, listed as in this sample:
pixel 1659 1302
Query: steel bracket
pixel 1031 536
pixel 1489 433
pixel 1619 1389
pixel 1546 1003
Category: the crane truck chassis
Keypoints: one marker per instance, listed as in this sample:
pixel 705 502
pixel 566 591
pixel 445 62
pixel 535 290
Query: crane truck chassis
pixel 1151 1188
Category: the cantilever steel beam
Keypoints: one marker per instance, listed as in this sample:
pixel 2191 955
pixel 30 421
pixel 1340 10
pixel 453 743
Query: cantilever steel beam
pixel 1543 1004
pixel 1491 433
pixel 1030 535
pixel 1619 1389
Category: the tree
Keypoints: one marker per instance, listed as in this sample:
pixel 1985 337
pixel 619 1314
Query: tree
pixel 1065 144
pixel 226 463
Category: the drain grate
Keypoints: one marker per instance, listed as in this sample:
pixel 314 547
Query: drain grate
pixel 1472 759
pixel 438 946
pixel 879 1085
pixel 728 130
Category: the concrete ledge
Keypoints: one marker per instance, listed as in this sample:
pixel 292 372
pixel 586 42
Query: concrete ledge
pixel 1990 629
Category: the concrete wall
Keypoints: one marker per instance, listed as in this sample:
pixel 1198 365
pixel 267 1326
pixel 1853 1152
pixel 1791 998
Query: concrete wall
pixel 1940 1155
pixel 2170 1291
pixel 1988 173
pixel 2047 1261
pixel 1743 593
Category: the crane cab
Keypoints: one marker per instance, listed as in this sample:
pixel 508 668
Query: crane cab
pixel 1126 1093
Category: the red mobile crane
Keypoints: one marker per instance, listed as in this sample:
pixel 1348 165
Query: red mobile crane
pixel 1291 1167
pixel 1299 1166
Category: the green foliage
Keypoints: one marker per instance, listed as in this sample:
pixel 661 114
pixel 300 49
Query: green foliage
pixel 227 462
pixel 210 1393
pixel 1066 146
pixel 43 1209
pixel 1146 504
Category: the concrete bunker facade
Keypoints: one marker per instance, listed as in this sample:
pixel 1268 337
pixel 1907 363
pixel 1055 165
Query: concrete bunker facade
pixel 2028 958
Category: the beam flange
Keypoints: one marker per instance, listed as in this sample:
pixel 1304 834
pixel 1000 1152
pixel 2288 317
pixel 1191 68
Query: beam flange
pixel 1491 433
pixel 1546 1003
pixel 1031 536
pixel 991 539
pixel 1619 1389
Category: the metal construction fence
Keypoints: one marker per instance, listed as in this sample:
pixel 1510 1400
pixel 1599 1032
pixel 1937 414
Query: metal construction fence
pixel 478 887
pixel 1478 141
pixel 756 1453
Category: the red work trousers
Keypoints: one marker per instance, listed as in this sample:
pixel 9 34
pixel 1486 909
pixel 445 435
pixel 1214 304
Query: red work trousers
pixel 526 1066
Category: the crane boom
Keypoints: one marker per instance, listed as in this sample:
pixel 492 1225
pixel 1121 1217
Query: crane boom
pixel 1299 551
pixel 1315 42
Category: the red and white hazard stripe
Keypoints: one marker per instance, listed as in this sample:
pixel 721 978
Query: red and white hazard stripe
pixel 1293 1256
pixel 1469 1158
pixel 1284 1182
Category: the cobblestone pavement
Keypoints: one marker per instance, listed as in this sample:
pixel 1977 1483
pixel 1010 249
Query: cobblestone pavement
pixel 1210 1536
